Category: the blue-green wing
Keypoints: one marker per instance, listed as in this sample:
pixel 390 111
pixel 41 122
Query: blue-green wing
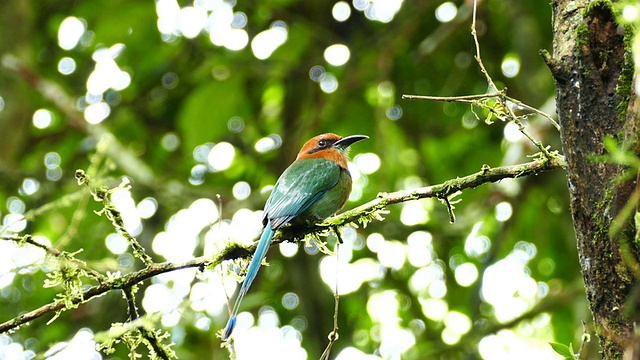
pixel 299 187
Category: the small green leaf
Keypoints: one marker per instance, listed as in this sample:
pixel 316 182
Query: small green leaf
pixel 564 350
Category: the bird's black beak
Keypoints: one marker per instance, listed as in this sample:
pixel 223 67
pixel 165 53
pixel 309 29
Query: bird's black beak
pixel 345 142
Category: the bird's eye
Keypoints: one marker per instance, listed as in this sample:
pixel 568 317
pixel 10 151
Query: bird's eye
pixel 322 143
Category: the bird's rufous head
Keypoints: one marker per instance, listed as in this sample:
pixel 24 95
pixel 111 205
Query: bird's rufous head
pixel 329 146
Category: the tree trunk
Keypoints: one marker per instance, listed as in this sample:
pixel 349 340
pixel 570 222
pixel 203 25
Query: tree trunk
pixel 593 70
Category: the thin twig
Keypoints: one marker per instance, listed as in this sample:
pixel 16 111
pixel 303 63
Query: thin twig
pixel 112 284
pixel 28 239
pixel 472 99
pixel 333 335
pixel 155 343
pixel 463 98
pixel 586 338
pixel 103 195
pixel 477 44
pixel 502 93
pixel 532 109
pixel 132 309
pixel 452 215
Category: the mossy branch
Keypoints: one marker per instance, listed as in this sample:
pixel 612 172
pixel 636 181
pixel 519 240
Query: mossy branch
pixel 362 214
pixel 117 283
pixel 102 194
pixel 372 209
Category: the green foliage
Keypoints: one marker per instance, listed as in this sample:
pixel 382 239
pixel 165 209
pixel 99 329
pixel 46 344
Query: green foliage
pixel 133 334
pixel 564 350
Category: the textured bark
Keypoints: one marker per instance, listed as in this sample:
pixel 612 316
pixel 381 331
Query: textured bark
pixel 593 69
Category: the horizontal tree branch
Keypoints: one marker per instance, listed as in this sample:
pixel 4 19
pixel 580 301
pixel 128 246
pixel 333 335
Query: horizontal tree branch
pixel 442 191
pixel 123 282
pixel 233 251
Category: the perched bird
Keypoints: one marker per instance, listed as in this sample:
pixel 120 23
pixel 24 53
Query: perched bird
pixel 315 186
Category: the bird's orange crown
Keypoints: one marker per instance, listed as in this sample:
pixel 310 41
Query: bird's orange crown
pixel 329 146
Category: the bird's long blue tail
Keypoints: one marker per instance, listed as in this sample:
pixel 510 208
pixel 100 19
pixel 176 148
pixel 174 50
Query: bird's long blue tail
pixel 254 266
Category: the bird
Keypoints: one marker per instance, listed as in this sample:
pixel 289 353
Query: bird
pixel 315 186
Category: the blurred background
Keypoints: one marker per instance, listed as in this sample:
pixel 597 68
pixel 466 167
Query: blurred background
pixel 198 100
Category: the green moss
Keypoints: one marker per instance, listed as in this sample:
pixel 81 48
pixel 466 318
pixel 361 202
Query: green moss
pixel 604 4
pixel 623 88
pixel 582 37
pixel 601 224
pixel 625 81
pixel 582 42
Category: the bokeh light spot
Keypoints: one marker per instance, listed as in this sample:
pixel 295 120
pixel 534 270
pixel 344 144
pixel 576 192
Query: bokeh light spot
pixel 337 54
pixel 510 66
pixel 70 31
pixel 237 39
pixel 466 274
pixel 367 163
pixel 378 10
pixel 42 118
pixel 414 213
pixel 54 174
pixel 265 144
pixel 316 73
pixel 236 124
pixel 630 13
pixel 96 113
pixel 52 160
pixel 446 12
pixel 420 249
pixel 14 223
pixel 394 112
pixel 107 73
pixel 374 241
pixel 201 152
pixel 15 205
pixel 341 11
pixel 170 80
pixel 288 249
pixel 116 244
pixel 266 42
pixel 438 289
pixel 192 21
pixel 503 211
pixel 241 190
pixel 329 83
pixel 66 66
pixel 435 309
pixel 29 186
pixel 290 301
pixel 221 156
pixel 392 254
pixel 239 20
pixel 170 141
pixel 147 207
pixel 512 133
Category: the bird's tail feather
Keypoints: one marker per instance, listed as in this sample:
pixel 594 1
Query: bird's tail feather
pixel 256 261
